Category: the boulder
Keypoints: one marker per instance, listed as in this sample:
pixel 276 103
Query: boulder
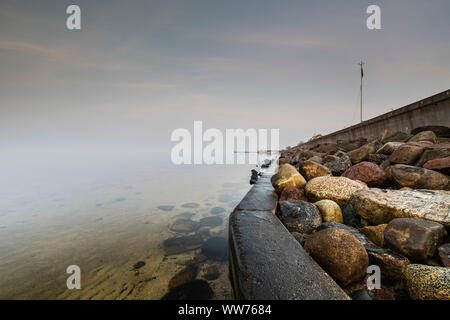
pixel 185 225
pixel 287 175
pixel 377 158
pixel 442 164
pixel 419 178
pixel 311 169
pixel 425 136
pixel 329 210
pixel 328 148
pixel 440 131
pixel 414 238
pixel 329 158
pixel 184 276
pixel 406 154
pixel 292 193
pixel 339 165
pixel 397 137
pixel 361 154
pixel 340 254
pixel 369 173
pixel 427 283
pixel 350 217
pixel 389 147
pixel 300 216
pixel 375 233
pixel 437 152
pixel 444 254
pixel 352 144
pixel 316 159
pixel 381 206
pixel 338 189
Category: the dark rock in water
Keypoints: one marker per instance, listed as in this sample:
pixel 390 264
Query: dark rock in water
pixel 351 218
pixel 186 275
pixel 217 210
pixel 212 221
pixel 414 238
pixel 204 232
pixel 193 290
pixel 216 248
pixel 166 208
pixel 186 215
pixel 182 244
pixel 191 205
pixel 211 273
pixel 444 254
pixel 300 216
pixel 139 265
pixel 254 176
pixel 120 199
pixel 185 225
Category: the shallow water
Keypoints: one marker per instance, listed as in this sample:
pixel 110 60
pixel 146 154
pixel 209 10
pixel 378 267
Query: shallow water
pixel 104 213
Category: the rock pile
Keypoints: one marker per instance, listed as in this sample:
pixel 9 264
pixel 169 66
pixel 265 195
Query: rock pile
pixel 384 202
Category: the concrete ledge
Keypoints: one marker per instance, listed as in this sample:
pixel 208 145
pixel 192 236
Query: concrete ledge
pixel 266 262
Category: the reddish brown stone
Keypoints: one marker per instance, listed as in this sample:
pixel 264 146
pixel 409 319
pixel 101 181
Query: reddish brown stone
pixel 369 173
pixel 444 254
pixel 438 164
pixel 406 153
pixel 383 294
pixel 292 193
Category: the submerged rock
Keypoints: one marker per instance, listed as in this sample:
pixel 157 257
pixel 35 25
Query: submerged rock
pixel 193 290
pixel 215 248
pixel 381 206
pixel 419 178
pixel 166 208
pixel 212 221
pixel 187 274
pixel 300 216
pixel 340 254
pixel 414 238
pixel 286 176
pixel 182 244
pixel 138 265
pixel 369 173
pixel 217 210
pixel 185 225
pixel 211 273
pixel 191 205
pixel 338 189
pixel 427 283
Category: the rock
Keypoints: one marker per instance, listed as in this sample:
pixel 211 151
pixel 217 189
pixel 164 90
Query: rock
pixel 383 294
pixel 329 210
pixel 138 265
pixel 338 189
pixel 369 173
pixel 340 254
pixel 286 176
pixel 414 238
pixel 377 158
pixel 381 206
pixel 191 205
pixel 406 154
pixel 397 137
pixel 361 154
pixel 328 148
pixel 184 225
pixel 436 152
pixel 215 248
pixel 390 263
pixel 165 208
pixel 427 283
pixel 310 170
pixel 385 164
pixel 444 254
pixel 425 136
pixel 300 216
pixel 299 238
pixel 360 295
pixel 389 147
pixel 211 273
pixel 352 144
pixel 292 193
pixel 440 131
pixel 217 210
pixel 182 244
pixel 193 290
pixel 316 159
pixel 211 221
pixel 419 178
pixel 350 217
pixel 375 233
pixel 186 275
pixel 338 166
pixel 330 158
pixel 438 164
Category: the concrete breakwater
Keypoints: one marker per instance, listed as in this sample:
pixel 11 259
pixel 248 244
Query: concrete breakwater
pixel 311 229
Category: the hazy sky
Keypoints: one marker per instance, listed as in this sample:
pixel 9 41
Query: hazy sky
pixel 140 69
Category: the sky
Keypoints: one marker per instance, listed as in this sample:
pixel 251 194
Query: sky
pixel 137 70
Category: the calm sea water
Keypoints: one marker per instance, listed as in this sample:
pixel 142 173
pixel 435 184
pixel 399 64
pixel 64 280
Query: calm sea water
pixel 106 211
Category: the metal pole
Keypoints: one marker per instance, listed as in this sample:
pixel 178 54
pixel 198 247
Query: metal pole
pixel 361 64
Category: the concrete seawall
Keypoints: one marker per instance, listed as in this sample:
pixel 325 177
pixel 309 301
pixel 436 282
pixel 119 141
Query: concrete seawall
pixel 266 261
pixel 434 110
